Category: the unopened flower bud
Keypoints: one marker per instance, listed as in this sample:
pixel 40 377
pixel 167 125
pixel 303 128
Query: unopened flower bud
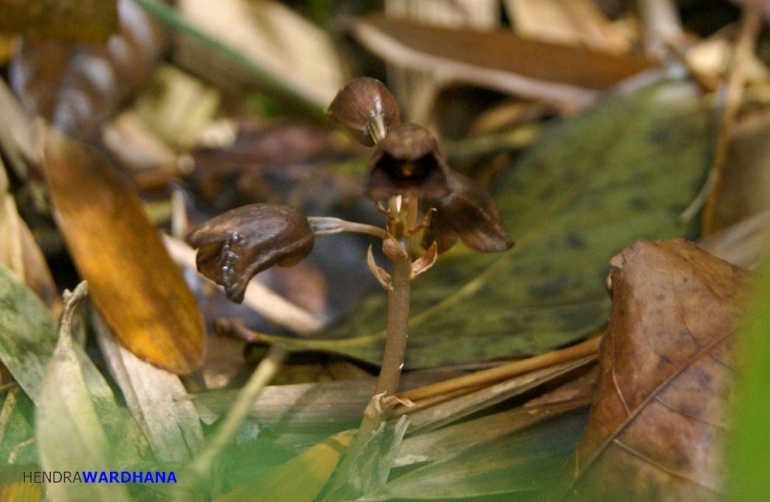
pixel 366 108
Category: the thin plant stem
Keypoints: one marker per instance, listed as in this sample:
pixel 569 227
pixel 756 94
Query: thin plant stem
pixel 398 303
pixel 398 331
pixel 395 346
pixel 326 225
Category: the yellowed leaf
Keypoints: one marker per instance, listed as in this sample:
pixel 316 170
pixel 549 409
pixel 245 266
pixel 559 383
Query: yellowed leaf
pixel 134 283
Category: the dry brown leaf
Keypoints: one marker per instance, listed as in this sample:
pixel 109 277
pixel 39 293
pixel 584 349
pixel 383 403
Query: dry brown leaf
pixel 76 86
pixel 90 21
pixel 499 59
pixel 134 283
pixel 157 399
pixel 656 427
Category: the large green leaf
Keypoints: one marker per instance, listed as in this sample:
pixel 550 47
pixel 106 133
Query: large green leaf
pixel 622 171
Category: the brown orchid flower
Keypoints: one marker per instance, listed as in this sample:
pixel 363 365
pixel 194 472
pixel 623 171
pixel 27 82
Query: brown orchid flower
pixel 238 244
pixel 407 161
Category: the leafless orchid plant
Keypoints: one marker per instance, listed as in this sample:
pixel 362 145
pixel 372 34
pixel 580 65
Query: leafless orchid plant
pixel 427 207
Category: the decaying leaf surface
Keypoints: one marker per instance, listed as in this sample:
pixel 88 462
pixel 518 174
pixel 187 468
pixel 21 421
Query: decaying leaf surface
pixel 90 21
pixel 656 428
pixel 596 184
pixel 134 284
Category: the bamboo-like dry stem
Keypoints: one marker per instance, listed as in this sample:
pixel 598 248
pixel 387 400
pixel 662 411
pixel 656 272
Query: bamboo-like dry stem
pixel 492 375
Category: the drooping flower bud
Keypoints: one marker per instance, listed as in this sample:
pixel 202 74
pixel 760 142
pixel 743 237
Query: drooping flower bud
pixel 238 244
pixel 366 108
pixel 467 212
pixel 407 161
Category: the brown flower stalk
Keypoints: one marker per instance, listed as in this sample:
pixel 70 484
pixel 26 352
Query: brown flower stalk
pixel 410 181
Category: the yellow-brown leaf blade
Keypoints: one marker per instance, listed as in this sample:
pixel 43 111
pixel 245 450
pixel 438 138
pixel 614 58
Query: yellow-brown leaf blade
pixel 133 282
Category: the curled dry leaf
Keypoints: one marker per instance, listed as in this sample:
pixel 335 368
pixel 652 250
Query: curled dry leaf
pixel 78 86
pixel 134 284
pixel 656 428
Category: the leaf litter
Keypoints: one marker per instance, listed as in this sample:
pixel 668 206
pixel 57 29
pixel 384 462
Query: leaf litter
pixel 591 186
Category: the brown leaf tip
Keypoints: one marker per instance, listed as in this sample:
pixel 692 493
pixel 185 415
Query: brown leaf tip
pixel 366 108
pixel 236 245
